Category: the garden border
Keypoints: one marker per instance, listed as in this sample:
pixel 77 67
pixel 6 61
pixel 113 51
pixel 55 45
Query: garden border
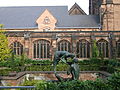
pixel 20 74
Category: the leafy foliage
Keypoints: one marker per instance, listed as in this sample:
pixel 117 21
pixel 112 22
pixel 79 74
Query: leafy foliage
pixel 72 85
pixel 95 51
pixel 5 71
pixel 4 49
pixel 41 85
pixel 113 83
pixel 29 83
pixel 22 63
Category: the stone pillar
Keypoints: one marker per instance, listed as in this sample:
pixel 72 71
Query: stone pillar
pixel 73 44
pixel 92 38
pixel 112 46
pixel 31 54
pixel 53 45
pixel 26 48
pixel 26 43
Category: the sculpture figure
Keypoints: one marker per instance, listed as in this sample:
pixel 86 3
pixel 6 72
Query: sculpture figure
pixel 73 66
pixel 74 69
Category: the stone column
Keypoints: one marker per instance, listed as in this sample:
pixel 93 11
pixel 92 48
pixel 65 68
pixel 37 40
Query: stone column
pixel 73 44
pixel 26 43
pixel 53 45
pixel 91 44
pixel 112 46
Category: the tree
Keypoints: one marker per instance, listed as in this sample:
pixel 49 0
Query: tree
pixel 4 49
pixel 22 62
pixel 95 51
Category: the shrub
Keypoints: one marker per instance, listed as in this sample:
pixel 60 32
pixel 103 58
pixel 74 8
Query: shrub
pixel 3 64
pixel 41 85
pixel 95 51
pixel 4 72
pixel 114 81
pixel 39 68
pixel 72 85
pixel 41 62
pixel 4 49
pixel 29 83
pixel 62 67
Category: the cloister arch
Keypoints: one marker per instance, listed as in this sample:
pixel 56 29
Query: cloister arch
pixel 64 45
pixel 17 48
pixel 41 49
pixel 83 49
pixel 103 48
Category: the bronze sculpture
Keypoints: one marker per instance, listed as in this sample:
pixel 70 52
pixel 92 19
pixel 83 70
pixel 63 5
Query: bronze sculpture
pixel 74 67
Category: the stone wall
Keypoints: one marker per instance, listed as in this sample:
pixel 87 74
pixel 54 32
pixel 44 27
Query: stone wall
pixel 109 14
pixel 55 37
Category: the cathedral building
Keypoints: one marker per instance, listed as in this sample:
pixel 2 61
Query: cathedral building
pixel 39 31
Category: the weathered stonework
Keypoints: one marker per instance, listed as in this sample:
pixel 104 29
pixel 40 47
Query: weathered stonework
pixel 46 21
pixel 109 11
pixel 73 38
pixel 47 31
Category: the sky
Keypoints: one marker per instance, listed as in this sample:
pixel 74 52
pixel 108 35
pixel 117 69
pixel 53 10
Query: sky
pixel 84 4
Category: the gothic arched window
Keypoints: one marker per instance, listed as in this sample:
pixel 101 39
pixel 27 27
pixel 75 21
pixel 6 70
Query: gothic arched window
pixel 118 48
pixel 17 48
pixel 103 48
pixel 41 49
pixel 83 49
pixel 64 45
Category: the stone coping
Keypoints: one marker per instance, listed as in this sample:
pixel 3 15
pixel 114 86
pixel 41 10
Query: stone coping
pixel 20 74
pixel 17 87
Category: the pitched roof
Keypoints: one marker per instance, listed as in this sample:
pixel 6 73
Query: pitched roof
pixel 76 6
pixel 25 17
pixel 79 21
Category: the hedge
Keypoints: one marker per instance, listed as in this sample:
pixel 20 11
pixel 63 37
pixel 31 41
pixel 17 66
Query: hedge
pixel 4 72
pixel 112 83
